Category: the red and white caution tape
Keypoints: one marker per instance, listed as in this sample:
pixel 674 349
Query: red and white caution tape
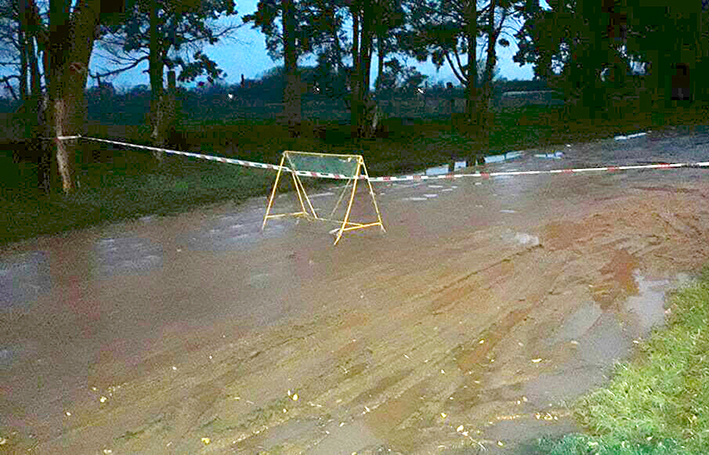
pixel 219 159
pixel 404 178
pixel 486 175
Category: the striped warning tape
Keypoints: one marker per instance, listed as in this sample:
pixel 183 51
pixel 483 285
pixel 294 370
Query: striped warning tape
pixel 219 159
pixel 486 175
pixel 404 178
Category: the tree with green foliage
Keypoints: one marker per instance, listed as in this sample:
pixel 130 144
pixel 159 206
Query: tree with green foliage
pixel 450 32
pixel 293 29
pixel 168 34
pixel 398 79
pixel 673 40
pixel 569 45
pixel 497 28
pixel 445 31
pixel 576 44
pixel 371 19
pixel 390 19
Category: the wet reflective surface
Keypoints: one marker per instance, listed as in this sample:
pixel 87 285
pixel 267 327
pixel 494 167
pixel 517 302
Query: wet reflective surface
pixel 23 278
pixel 486 307
pixel 126 255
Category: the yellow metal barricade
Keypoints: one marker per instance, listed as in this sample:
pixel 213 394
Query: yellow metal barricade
pixel 347 167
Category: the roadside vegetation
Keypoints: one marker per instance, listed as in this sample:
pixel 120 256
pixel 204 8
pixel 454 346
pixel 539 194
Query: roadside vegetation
pixel 619 74
pixel 658 403
pixel 117 183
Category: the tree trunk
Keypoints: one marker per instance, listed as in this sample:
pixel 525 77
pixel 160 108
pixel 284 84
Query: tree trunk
pixel 362 58
pixel 71 41
pixel 336 40
pixel 34 109
pixel 366 126
pixel 156 69
pixel 291 94
pixel 491 59
pixel 381 53
pixel 355 80
pixel 22 39
pixel 366 45
pixel 46 64
pixel 35 78
pixel 491 55
pixel 471 106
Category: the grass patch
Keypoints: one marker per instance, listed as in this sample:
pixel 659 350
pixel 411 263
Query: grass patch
pixel 577 444
pixel 112 192
pixel 659 403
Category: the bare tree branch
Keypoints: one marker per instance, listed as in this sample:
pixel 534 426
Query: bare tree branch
pixel 6 81
pixel 455 71
pixel 119 70
pixel 463 71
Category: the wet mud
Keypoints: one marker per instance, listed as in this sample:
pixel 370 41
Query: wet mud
pixel 482 313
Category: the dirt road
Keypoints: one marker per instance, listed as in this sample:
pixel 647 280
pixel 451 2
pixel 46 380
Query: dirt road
pixel 486 307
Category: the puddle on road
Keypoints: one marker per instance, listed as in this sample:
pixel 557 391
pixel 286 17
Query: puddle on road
pixel 345 439
pixel 648 307
pixel 503 157
pixel 283 434
pixel 127 255
pixel 329 193
pixel 438 170
pixel 550 156
pixel 23 278
pixel 232 232
pixel 597 337
pixel 444 169
pixel 520 238
pixel 7 356
pixel 579 322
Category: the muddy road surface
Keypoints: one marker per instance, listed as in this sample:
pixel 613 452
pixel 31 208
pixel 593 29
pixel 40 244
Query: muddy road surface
pixel 486 308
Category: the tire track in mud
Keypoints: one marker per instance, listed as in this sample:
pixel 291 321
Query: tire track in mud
pixel 440 339
pixel 617 270
pixel 389 399
pixel 393 389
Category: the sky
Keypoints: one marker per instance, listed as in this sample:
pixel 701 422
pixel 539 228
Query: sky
pixel 245 53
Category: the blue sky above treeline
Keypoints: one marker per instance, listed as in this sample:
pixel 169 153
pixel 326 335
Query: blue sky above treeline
pixel 245 53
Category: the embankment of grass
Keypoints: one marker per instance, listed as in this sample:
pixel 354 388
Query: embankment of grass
pixel 110 193
pixel 659 402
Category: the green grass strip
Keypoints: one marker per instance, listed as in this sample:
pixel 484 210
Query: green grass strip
pixel 658 403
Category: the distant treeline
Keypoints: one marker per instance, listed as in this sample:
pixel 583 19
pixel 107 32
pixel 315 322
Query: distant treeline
pixel 262 98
